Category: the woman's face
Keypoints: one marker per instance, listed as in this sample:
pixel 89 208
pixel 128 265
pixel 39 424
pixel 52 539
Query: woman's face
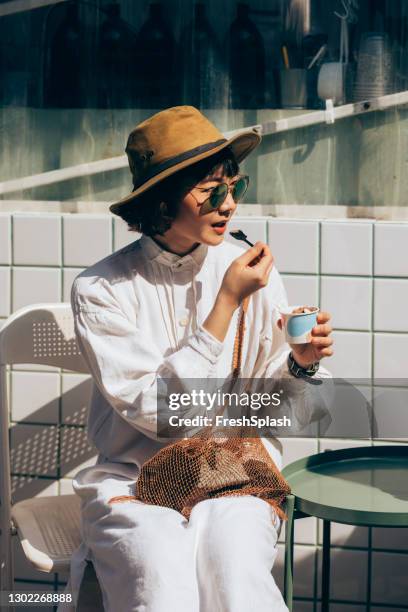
pixel 196 223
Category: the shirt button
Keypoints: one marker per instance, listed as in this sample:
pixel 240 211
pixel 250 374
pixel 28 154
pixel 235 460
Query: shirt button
pixel 183 322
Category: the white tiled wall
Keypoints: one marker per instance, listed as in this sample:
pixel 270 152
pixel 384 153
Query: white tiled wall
pixel 352 354
pixel 255 229
pixel 390 355
pixel 349 300
pixel 346 247
pixel 5 238
pixel 34 285
pixel 390 299
pixel 68 276
pixel 30 248
pixel 35 398
pixel 301 289
pixel 5 295
pixel 284 239
pixel 357 270
pixel 348 574
pixel 87 238
pixel 391 249
pixel 389 583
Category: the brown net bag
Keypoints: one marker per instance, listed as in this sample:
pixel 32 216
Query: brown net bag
pixel 212 464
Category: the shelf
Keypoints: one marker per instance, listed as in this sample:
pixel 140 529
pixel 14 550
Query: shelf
pixel 286 120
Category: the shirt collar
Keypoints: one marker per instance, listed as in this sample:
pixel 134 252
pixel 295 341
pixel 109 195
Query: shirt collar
pixel 154 252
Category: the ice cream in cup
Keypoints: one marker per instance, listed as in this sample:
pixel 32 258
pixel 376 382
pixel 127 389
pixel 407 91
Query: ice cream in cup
pixel 298 322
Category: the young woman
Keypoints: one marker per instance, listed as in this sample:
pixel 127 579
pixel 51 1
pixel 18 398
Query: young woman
pixel 166 306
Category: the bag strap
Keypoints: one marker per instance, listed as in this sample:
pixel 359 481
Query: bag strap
pixel 239 340
pixel 238 345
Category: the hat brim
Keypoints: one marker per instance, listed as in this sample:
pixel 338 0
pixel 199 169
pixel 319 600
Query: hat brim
pixel 241 145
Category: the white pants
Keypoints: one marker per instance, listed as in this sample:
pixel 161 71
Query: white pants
pixel 151 559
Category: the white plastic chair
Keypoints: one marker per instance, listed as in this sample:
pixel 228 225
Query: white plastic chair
pixel 48 527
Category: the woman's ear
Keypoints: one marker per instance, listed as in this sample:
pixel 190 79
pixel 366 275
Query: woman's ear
pixel 164 209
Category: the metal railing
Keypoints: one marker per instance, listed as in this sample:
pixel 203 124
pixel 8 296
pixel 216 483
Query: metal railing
pixel 330 115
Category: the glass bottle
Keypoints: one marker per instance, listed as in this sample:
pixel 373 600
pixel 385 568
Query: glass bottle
pixel 246 62
pixel 204 83
pixel 154 61
pixel 62 81
pixel 115 52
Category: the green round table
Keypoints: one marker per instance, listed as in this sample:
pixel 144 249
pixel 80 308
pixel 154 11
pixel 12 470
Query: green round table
pixel 365 486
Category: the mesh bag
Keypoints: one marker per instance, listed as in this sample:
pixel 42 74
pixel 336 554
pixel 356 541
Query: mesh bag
pixel 215 462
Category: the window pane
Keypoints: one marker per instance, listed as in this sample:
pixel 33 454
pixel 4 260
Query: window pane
pixel 76 77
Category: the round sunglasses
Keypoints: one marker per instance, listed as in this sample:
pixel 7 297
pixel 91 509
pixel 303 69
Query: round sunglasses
pixel 219 194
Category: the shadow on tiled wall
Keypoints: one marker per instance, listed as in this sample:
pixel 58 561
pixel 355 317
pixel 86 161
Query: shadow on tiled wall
pixel 54 451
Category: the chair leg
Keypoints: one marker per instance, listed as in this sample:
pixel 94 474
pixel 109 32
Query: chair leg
pixel 90 595
pixel 6 561
pixel 288 577
pixel 326 566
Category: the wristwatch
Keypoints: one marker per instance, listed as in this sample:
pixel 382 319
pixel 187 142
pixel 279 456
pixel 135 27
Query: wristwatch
pixel 296 370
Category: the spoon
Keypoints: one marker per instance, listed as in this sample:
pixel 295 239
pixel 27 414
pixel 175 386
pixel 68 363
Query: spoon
pixel 239 235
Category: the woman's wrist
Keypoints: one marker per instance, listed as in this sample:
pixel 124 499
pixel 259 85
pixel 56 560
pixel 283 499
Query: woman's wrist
pixel 219 319
pixel 226 301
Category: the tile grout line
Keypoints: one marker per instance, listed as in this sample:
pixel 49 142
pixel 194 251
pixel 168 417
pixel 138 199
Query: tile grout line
pixel 11 263
pixel 62 275
pixel 372 314
pixel 113 243
pixel 282 272
pixel 316 570
pixel 372 304
pixel 348 276
pixel 369 569
pixel 319 293
pixel 10 379
pixel 370 530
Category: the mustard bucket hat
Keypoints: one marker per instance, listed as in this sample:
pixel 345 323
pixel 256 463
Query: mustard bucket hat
pixel 172 140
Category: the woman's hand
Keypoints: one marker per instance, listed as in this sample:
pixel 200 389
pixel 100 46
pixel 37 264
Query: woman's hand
pixel 318 347
pixel 246 274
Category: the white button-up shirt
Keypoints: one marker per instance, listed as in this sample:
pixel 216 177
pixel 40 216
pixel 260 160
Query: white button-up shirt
pixel 138 318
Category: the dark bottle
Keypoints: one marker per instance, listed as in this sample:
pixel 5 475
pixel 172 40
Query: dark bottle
pixel 204 80
pixel 13 75
pixel 62 75
pixel 154 62
pixel 246 62
pixel 2 75
pixel 377 15
pixel 115 52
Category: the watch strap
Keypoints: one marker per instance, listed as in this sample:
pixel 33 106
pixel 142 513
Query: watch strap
pixel 296 370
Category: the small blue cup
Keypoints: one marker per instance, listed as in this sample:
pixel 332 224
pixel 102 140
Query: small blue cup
pixel 299 325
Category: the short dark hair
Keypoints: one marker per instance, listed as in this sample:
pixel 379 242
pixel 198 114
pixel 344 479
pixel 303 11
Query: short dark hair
pixel 154 211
